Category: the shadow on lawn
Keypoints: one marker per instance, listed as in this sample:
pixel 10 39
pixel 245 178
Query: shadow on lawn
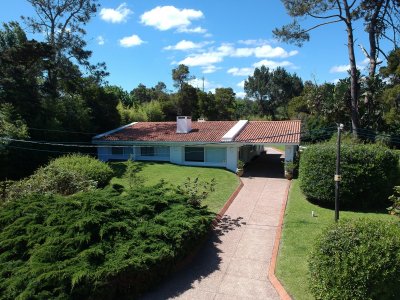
pixel 205 262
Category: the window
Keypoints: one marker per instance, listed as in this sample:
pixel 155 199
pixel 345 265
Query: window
pixel 194 154
pixel 117 150
pixel 216 155
pixel 147 151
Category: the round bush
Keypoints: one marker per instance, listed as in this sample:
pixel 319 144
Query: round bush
pixel 369 173
pixel 357 260
pixel 89 167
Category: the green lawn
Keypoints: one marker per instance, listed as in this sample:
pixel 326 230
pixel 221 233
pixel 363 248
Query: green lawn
pixel 151 172
pixel 299 232
pixel 278 146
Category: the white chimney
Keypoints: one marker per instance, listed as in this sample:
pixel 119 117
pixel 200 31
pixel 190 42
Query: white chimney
pixel 183 124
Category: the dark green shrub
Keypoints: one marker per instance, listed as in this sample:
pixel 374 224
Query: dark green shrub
pixel 95 245
pixel 368 174
pixel 357 260
pixel 89 167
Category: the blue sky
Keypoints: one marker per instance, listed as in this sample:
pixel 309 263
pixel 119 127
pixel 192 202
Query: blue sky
pixel 220 40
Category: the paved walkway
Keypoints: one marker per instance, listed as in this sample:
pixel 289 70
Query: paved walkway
pixel 234 262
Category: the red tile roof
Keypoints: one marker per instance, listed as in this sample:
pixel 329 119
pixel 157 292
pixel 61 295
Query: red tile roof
pixel 166 132
pixel 209 131
pixel 271 132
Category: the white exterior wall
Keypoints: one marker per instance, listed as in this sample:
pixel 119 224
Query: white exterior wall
pixel 176 155
pixel 290 152
pixel 232 155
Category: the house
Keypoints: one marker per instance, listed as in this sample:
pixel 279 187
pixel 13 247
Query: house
pixel 197 143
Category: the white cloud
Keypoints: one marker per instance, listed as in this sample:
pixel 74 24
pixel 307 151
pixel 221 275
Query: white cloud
pixel 198 83
pixel 186 45
pixel 118 15
pixel 169 17
pixel 202 59
pixel 241 84
pixel 241 71
pixel 100 40
pixel 258 42
pixel 209 69
pixel 273 64
pixel 335 81
pixel 197 29
pixel 268 52
pixel 240 94
pixel 339 69
pixel 131 41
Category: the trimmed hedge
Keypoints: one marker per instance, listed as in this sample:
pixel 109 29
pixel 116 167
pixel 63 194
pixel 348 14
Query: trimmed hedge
pixel 87 166
pixel 369 173
pixel 95 245
pixel 357 260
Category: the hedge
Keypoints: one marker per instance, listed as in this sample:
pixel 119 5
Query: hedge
pixel 96 245
pixel 357 260
pixel 369 173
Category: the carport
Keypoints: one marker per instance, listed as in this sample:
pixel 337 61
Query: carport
pixel 257 142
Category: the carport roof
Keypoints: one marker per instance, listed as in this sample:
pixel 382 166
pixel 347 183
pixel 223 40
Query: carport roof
pixel 253 132
pixel 271 132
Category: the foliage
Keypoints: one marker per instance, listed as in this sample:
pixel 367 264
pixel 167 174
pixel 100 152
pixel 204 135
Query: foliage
pixel 394 209
pixel 132 174
pixel 225 103
pixel 51 180
pixel 240 164
pixel 66 175
pixel 90 168
pixel 368 174
pixel 357 260
pixel 181 75
pixel 11 125
pixel 196 190
pixel 99 244
pixel 378 17
pixel 300 231
pixel 273 89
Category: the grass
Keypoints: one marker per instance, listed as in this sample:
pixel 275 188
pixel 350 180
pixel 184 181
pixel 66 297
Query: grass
pixel 299 233
pixel 278 146
pixel 152 173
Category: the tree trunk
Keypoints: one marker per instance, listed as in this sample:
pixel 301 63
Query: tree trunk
pixel 354 88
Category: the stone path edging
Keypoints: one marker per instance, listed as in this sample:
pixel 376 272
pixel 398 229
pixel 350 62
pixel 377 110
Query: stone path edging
pixel 227 203
pixel 271 272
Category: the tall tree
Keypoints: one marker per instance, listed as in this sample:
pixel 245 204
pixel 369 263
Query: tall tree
pixel 225 103
pixel 379 16
pixel 62 22
pixel 22 65
pixel 273 89
pixel 256 87
pixel 180 76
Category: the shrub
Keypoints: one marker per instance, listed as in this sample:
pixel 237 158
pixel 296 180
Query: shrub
pixel 95 245
pixel 394 209
pixel 89 167
pixel 51 180
pixel 357 260
pixel 368 174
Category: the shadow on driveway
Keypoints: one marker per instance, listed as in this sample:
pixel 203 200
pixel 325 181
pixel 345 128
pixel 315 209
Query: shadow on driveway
pixel 265 165
pixel 206 261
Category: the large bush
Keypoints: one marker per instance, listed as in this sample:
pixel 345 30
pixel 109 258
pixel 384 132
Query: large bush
pixel 89 167
pixel 66 175
pixel 357 260
pixel 50 180
pixel 369 173
pixel 97 245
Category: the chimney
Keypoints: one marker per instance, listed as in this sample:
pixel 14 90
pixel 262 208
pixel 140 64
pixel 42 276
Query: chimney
pixel 183 124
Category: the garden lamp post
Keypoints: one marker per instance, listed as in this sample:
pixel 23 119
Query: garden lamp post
pixel 337 176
